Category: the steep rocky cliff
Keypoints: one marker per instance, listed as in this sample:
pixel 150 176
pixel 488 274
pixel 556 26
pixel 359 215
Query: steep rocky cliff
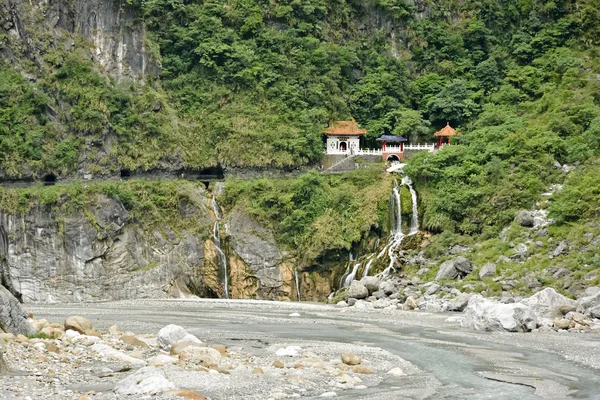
pixel 102 251
pixel 116 38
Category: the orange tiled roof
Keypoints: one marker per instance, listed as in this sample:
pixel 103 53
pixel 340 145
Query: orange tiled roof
pixel 344 128
pixel 447 131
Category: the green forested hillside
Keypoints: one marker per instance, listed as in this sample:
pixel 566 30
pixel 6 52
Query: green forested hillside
pixel 252 83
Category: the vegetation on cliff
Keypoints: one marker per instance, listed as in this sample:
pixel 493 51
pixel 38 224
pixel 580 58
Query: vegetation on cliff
pixel 316 213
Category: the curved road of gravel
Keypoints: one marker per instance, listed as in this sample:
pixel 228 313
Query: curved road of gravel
pixel 447 362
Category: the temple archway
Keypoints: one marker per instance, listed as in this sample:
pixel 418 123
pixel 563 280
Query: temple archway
pixel 392 157
pixel 343 146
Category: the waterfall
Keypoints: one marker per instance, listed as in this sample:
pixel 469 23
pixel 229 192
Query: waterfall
pixel 221 258
pixel 396 234
pixel 368 266
pixel 414 221
pixel 297 283
pixel 348 279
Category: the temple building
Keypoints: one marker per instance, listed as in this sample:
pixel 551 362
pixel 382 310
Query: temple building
pixel 343 137
pixel 445 134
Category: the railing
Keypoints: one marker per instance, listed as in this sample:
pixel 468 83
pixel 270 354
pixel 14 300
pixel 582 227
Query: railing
pixel 430 147
pixel 378 152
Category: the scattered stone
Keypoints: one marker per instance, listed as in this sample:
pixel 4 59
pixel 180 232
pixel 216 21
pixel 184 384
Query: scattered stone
pixel 357 290
pixel 488 270
pixel 361 369
pixel 147 380
pixel 278 364
pixel 329 394
pixel 567 308
pixel 371 283
pixel 258 371
pixel 79 324
pixel 186 394
pixel 200 355
pixel 562 323
pixel 113 354
pixel 290 351
pixel 350 359
pixel 396 372
pixel 161 359
pixel 463 266
pixel 169 335
pixel 132 340
pixel 459 303
pixel 447 271
pixel 433 288
pixel 561 248
pixel 525 218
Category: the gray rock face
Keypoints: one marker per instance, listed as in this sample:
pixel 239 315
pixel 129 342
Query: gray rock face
pixel 488 270
pixel 357 290
pixel 489 315
pixel 144 381
pixel 371 283
pixel 447 271
pixel 13 318
pixel 3 364
pixel 525 218
pixel 459 303
pixel 546 303
pixel 463 265
pixel 48 256
pixel 453 269
pixel 561 248
pixel 256 246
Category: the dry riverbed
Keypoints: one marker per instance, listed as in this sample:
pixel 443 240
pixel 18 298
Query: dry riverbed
pixel 269 350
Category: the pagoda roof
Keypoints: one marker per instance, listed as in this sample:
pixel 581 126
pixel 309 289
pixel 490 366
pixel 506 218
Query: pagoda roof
pixel 391 138
pixel 344 128
pixel 447 131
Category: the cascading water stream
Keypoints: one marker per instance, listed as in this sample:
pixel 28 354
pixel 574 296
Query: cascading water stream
pixel 221 258
pixel 348 280
pixel 297 279
pixel 368 266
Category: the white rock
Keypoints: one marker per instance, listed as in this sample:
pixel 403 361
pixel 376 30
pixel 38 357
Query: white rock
pixel 147 380
pixel 170 335
pixel 70 334
pixel 162 359
pixel 40 346
pixel 200 355
pixel 396 372
pixel 294 314
pixel 110 353
pixel 488 315
pixel 546 303
pixel 190 338
pixel 290 351
pixel 329 394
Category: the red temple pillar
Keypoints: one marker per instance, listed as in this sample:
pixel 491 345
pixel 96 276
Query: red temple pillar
pixel 401 147
pixel 384 145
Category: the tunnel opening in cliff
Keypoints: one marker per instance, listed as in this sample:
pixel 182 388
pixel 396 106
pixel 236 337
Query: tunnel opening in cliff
pixel 49 179
pixel 125 173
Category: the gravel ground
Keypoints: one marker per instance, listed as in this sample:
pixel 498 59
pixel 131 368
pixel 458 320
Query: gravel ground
pixel 437 358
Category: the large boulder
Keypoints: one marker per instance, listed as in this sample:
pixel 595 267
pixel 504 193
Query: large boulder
pixel 357 290
pixel 489 315
pixel 525 218
pixel 488 270
pixel 13 318
pixel 463 266
pixel 447 271
pixel 79 324
pixel 546 303
pixel 459 303
pixel 587 303
pixel 169 335
pixel 200 355
pixel 371 283
pixel 145 381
